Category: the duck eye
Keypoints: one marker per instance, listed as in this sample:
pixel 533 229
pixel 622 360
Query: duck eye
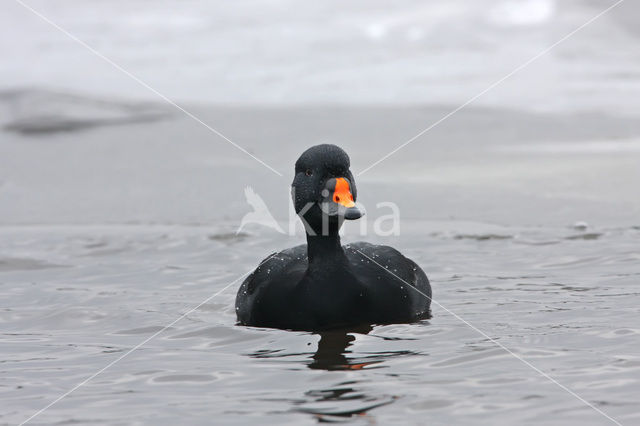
pixel 309 172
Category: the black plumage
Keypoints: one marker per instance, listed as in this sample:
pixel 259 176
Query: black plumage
pixel 322 284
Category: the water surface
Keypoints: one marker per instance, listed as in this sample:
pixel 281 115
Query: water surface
pixel 76 298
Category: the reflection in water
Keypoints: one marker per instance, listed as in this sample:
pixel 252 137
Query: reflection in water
pixel 344 399
pixel 329 404
pixel 332 350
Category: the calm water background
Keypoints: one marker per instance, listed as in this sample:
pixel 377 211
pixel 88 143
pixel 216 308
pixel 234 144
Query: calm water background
pixel 118 213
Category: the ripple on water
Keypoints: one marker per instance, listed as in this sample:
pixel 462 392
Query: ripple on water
pixel 184 378
pixel 142 330
pixel 569 308
pixel 26 264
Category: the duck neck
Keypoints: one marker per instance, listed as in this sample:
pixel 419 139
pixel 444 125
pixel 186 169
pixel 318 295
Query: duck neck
pixel 324 248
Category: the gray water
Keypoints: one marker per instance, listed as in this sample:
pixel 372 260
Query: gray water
pixel 118 213
pixel 76 298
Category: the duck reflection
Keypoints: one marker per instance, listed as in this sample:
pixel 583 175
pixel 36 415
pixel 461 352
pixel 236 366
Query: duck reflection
pixel 346 398
pixel 333 349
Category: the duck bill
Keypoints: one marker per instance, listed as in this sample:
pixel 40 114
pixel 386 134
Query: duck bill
pixel 339 200
pixel 353 213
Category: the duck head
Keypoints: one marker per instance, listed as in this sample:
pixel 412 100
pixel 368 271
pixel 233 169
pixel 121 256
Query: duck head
pixel 324 190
